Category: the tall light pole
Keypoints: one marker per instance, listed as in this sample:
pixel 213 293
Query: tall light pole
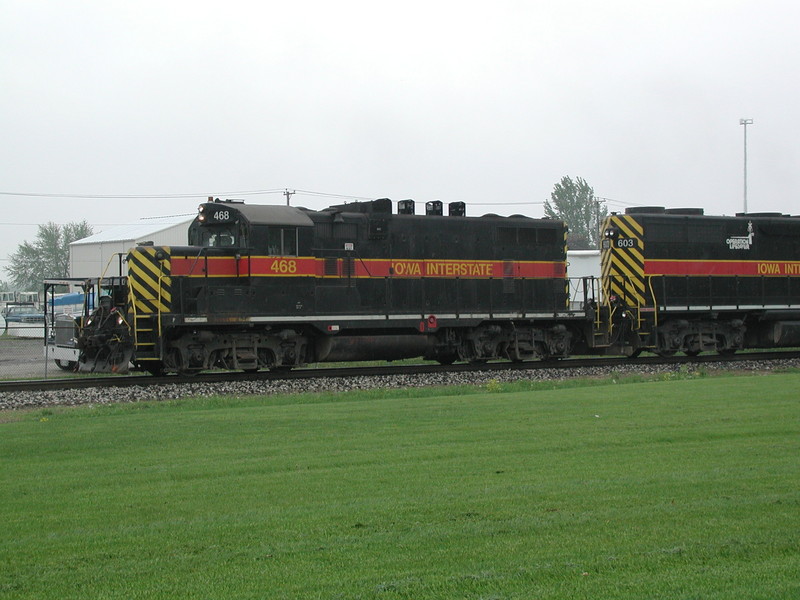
pixel 745 122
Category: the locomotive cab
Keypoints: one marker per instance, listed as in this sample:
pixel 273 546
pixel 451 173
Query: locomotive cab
pixel 262 230
pixel 217 227
pixel 201 306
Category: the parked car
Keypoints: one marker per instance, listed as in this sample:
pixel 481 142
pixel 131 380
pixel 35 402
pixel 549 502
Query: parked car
pixel 23 320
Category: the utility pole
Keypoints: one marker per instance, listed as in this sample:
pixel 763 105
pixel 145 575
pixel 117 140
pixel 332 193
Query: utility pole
pixel 745 122
pixel 288 193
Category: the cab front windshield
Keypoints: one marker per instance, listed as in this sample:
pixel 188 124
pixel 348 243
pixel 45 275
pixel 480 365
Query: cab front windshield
pixel 219 236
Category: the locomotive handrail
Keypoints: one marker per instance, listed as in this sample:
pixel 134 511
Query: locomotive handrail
pixel 361 260
pixel 653 296
pixel 108 264
pixel 132 294
pixel 197 259
pixel 160 304
pixel 631 292
pixel 744 291
pixel 111 277
pixel 632 302
pixel 597 283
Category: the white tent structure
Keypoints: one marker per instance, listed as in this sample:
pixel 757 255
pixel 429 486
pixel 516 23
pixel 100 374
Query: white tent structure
pixel 99 254
pixel 581 263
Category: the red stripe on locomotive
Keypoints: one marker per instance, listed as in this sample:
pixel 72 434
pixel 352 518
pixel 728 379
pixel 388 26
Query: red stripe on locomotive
pixel 743 268
pixel 260 266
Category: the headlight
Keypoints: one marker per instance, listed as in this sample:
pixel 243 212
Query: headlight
pixel 611 232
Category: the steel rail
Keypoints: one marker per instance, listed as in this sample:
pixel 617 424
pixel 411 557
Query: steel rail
pixel 67 383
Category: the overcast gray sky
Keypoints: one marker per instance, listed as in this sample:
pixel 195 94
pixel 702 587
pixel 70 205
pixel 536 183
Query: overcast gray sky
pixel 490 103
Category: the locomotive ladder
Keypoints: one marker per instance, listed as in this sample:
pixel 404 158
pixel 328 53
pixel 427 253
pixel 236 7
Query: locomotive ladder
pixel 145 335
pixel 146 324
pixel 604 324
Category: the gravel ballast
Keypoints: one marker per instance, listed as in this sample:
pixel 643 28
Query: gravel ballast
pixel 110 395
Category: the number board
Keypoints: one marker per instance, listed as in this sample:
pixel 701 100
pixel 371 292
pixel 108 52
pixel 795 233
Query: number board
pixel 626 243
pixel 215 214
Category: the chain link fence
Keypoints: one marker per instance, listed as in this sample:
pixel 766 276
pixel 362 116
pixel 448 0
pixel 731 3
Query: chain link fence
pixel 22 350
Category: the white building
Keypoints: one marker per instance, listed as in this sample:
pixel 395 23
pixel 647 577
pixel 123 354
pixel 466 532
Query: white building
pixel 99 254
pixel 583 263
pixel 580 264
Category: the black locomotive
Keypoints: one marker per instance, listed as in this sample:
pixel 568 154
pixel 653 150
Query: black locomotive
pixel 689 282
pixel 278 287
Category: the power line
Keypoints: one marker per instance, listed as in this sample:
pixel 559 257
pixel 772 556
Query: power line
pixel 204 195
pixel 139 196
pixel 92 224
pixel 613 201
pixel 503 203
pixel 311 193
pixel 201 195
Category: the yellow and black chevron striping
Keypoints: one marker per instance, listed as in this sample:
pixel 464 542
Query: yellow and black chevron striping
pixel 623 260
pixel 149 281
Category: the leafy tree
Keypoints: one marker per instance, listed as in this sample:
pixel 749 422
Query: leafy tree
pixel 47 256
pixel 575 203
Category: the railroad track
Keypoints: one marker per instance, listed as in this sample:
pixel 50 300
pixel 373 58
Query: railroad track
pixel 72 383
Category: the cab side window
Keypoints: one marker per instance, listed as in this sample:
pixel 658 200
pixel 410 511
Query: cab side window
pixel 282 241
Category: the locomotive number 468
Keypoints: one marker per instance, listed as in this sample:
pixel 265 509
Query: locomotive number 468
pixel 284 266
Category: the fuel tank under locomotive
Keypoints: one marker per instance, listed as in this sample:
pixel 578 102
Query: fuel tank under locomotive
pixel 379 347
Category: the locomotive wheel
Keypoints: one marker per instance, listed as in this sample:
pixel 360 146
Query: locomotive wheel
pixel 666 353
pixel 188 372
pixel 447 359
pixel 65 365
pixel 692 352
pixel 154 368
pixel 727 352
pixel 180 368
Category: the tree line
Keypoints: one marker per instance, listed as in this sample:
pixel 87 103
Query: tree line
pixel 47 256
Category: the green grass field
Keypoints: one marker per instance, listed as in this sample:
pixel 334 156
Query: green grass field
pixel 679 489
